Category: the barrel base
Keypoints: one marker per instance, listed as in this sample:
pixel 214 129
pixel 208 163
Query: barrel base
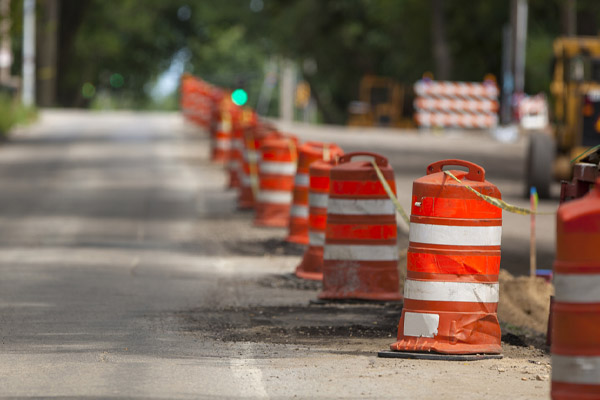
pixel 245 198
pixel 298 231
pixel 437 356
pixel 311 266
pixel 297 238
pixel 328 295
pixel 568 391
pixel 425 345
pixel 234 180
pixel 272 215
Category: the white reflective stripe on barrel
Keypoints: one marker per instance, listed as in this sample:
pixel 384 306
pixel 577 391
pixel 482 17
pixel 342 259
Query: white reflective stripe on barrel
pixel 248 180
pixel 237 144
pixel 301 180
pixel 235 164
pixel 277 168
pixel 251 156
pixel 317 200
pixel 223 144
pixel 583 370
pixel 360 252
pixel 451 291
pixel 316 238
pixel 224 126
pixel 455 235
pixel 299 211
pixel 274 197
pixel 421 324
pixel 360 207
pixel 577 288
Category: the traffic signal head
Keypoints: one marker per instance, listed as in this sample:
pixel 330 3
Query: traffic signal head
pixel 239 97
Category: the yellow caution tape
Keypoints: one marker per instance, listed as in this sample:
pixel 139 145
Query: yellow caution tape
pixel 497 202
pixel 326 152
pixel 585 153
pixel 390 193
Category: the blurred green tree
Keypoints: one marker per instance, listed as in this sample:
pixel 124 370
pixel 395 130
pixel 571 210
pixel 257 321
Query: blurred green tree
pixel 122 48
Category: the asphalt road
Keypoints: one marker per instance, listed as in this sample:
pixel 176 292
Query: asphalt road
pixel 125 272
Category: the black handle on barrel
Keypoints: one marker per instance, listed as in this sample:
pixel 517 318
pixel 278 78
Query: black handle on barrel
pixel 380 160
pixel 476 173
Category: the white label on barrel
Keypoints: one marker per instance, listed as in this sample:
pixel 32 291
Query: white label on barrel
pixel 421 324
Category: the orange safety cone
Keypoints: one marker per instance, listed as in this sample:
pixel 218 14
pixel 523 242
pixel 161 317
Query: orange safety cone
pixel 576 308
pixel 453 261
pixel 253 136
pixel 276 171
pixel 307 154
pixel 360 258
pixel 311 266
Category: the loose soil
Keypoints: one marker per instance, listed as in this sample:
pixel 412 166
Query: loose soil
pixel 328 325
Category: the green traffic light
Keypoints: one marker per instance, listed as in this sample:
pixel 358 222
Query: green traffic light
pixel 239 97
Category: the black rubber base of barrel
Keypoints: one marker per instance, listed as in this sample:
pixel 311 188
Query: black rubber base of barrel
pixel 321 302
pixel 437 356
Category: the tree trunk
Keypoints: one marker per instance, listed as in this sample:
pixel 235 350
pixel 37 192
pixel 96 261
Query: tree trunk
pixel 441 53
pixel 48 52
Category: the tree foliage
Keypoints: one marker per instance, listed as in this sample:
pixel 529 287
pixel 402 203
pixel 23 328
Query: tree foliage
pixel 228 42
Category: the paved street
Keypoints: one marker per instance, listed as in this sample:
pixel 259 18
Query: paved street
pixel 126 272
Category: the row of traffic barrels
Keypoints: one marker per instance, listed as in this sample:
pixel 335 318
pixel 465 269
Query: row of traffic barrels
pixel 336 205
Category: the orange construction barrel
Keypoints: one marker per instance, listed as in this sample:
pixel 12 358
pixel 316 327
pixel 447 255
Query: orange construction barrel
pixel 311 266
pixel 308 153
pixel 276 171
pixel 221 143
pixel 253 136
pixel 360 258
pixel 576 307
pixel 453 261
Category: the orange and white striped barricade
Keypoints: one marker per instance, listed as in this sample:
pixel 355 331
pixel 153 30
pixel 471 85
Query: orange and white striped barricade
pixel 308 153
pixel 253 136
pixel 453 261
pixel 360 257
pixel 444 104
pixel 533 112
pixel 576 308
pixel 311 266
pixel 276 171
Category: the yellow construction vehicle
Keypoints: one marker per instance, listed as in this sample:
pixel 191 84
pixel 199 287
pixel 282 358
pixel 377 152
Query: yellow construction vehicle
pixel 575 90
pixel 381 103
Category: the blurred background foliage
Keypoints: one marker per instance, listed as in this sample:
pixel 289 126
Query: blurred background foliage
pixel 125 50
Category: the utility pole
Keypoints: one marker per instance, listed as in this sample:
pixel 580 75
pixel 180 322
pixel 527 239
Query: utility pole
pixel 519 17
pixel 570 17
pixel 47 52
pixel 508 81
pixel 6 57
pixel 28 52
pixel 287 84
